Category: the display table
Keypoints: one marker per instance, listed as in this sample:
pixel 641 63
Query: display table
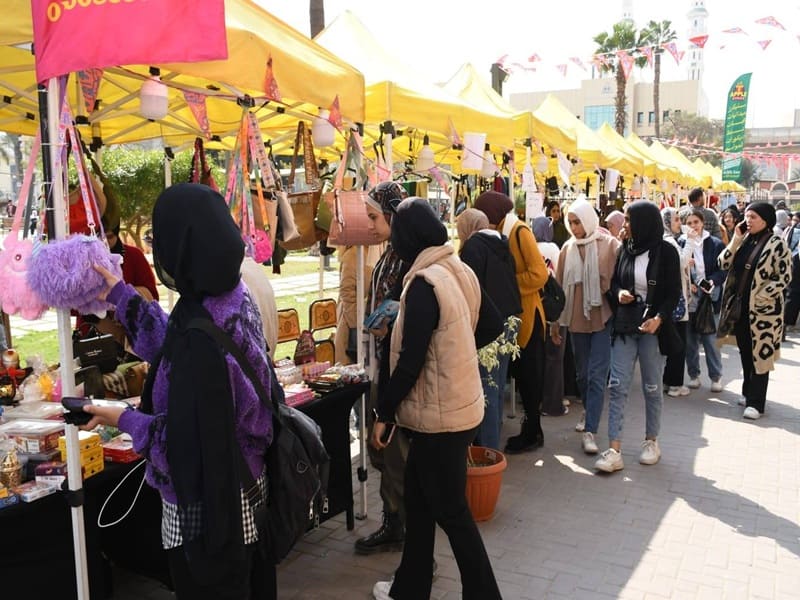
pixel 36 556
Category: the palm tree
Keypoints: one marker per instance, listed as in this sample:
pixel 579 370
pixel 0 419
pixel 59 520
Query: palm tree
pixel 658 33
pixel 622 37
pixel 13 159
pixel 316 13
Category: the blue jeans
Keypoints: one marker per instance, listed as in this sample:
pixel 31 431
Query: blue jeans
pixel 494 385
pixel 713 358
pixel 624 353
pixel 592 352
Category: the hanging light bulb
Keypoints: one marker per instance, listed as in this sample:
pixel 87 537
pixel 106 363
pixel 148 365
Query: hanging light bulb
pixel 636 186
pixel 153 100
pixel 425 159
pixel 489 165
pixel 541 164
pixel 322 132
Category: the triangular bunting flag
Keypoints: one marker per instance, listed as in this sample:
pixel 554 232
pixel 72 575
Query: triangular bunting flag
pixel 562 69
pixel 734 30
pixel 672 48
pixel 197 104
pixel 699 40
pixel 90 83
pixel 681 54
pixel 501 61
pixel 578 62
pixel 648 54
pixel 771 21
pixel 626 62
pixel 270 84
pixel 335 117
pixel 534 58
pixel 764 43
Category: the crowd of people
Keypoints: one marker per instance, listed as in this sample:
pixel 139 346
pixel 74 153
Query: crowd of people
pixel 640 286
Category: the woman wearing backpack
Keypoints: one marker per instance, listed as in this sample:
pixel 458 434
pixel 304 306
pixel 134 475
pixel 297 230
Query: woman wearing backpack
pixel 532 274
pixel 585 269
pixel 197 402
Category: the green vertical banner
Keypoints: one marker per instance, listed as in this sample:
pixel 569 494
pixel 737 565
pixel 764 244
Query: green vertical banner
pixel 735 117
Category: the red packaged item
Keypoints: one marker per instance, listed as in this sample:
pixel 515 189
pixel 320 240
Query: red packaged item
pixel 120 450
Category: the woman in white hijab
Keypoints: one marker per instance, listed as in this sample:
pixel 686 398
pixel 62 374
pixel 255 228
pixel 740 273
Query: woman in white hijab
pixel 585 268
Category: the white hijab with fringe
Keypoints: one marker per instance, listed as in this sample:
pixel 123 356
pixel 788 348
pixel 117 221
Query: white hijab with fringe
pixel 585 271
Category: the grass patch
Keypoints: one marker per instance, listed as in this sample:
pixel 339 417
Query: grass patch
pixel 43 343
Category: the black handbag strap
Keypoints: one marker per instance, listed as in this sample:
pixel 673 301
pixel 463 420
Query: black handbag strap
pixel 251 489
pixel 748 266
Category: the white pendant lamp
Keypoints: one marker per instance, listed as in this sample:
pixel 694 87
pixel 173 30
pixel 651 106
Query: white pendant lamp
pixel 153 100
pixel 425 158
pixel 322 132
pixel 489 167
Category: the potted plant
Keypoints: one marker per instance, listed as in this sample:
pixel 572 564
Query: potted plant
pixel 485 468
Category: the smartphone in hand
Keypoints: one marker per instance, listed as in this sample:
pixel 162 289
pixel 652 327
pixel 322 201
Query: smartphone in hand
pixel 75 405
pixel 705 285
pixel 742 227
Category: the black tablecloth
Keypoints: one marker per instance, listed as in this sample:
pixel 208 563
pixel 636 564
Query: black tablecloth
pixel 36 550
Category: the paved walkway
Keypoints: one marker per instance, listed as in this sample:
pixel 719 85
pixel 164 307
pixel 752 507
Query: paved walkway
pixel 716 518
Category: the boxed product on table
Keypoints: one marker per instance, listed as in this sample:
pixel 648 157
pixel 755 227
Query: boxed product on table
pixel 87 456
pixel 52 473
pixel 33 490
pixel 31 461
pixel 33 436
pixel 93 469
pixel 7 497
pixel 120 450
pixel 86 441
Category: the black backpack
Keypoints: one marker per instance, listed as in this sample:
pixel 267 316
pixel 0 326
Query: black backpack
pixel 296 461
pixel 552 294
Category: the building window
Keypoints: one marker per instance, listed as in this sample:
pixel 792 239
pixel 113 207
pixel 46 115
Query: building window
pixel 677 113
pixel 665 115
pixel 595 116
pixel 651 117
pixel 639 118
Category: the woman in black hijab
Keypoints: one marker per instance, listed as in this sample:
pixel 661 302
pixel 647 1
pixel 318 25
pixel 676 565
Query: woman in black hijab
pixel 435 394
pixel 560 232
pixel 197 403
pixel 646 285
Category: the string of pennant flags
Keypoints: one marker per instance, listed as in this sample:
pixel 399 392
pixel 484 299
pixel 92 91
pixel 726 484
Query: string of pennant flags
pixel 628 56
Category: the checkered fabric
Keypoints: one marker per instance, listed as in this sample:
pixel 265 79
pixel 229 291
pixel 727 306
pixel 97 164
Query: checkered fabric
pixel 171 536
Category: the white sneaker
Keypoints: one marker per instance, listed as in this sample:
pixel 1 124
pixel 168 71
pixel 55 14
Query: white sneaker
pixel 716 385
pixel 380 590
pixel 581 425
pixel 609 461
pixel 751 412
pixel 694 383
pixel 588 443
pixel 651 453
pixel 678 390
pixel 742 401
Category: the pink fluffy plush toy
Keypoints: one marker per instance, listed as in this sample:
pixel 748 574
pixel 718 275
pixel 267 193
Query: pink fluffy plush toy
pixel 62 273
pixel 16 296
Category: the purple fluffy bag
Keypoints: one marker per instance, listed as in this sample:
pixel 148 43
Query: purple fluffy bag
pixel 62 274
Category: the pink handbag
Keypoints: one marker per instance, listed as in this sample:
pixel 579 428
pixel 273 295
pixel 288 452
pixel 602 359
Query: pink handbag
pixel 16 296
pixel 350 224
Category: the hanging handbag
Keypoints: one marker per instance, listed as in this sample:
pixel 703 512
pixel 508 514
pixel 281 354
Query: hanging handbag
pixel 304 204
pixel 703 318
pixel 732 308
pixel 629 317
pixel 350 225
pixel 16 295
pixel 201 172
pixel 97 350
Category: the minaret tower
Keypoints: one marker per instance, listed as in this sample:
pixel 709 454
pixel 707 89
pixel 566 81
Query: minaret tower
pixel 627 11
pixel 697 16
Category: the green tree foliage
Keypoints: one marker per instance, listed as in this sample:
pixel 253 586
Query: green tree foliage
pixel 696 129
pixel 751 173
pixel 623 36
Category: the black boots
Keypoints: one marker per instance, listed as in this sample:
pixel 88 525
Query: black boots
pixel 530 436
pixel 389 538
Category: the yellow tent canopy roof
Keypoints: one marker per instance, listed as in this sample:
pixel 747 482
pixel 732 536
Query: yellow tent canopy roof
pixel 308 77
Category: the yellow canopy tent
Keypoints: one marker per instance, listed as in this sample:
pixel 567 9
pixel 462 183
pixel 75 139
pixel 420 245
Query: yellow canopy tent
pixel 308 77
pixel 666 170
pixel 398 94
pixel 610 135
pixel 564 131
pixel 700 178
pixel 687 175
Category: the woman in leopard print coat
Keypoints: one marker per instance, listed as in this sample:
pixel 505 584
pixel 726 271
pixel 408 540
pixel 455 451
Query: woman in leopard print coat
pixel 757 254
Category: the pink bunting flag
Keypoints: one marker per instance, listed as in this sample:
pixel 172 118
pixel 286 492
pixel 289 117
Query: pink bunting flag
pixel 501 61
pixel 734 30
pixel 197 104
pixel 699 40
pixel 335 117
pixel 672 48
pixel 90 83
pixel 764 43
pixel 562 69
pixel 455 139
pixel 270 84
pixel 534 58
pixel 648 54
pixel 771 21
pixel 681 54
pixel 515 66
pixel 626 61
pixel 578 62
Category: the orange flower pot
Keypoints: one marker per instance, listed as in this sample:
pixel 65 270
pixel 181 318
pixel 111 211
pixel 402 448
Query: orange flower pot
pixel 484 478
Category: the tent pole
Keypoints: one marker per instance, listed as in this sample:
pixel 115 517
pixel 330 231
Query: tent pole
pixel 56 222
pixel 362 471
pixel 168 183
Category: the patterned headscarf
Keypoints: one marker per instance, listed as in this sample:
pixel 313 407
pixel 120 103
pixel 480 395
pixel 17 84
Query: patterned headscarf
pixel 385 197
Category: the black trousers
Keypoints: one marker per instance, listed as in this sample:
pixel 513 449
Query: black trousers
pixel 435 483
pixel 528 371
pixel 675 365
pixel 754 385
pixel 254 579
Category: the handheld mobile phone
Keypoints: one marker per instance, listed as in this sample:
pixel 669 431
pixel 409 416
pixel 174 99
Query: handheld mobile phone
pixel 75 405
pixel 742 227
pixel 388 433
pixel 705 284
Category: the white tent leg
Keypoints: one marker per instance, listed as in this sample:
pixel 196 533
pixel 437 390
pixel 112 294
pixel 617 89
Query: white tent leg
pixel 67 371
pixel 168 183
